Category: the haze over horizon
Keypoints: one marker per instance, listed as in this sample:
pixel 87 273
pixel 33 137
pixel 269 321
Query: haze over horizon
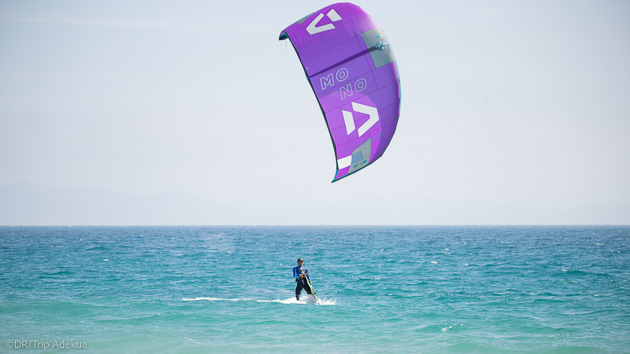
pixel 512 113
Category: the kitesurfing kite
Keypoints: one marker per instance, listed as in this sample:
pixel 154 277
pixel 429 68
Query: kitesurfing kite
pixel 350 65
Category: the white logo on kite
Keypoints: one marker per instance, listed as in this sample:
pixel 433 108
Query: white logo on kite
pixel 332 15
pixel 348 119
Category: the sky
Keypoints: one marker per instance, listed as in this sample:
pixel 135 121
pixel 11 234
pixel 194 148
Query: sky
pixel 519 105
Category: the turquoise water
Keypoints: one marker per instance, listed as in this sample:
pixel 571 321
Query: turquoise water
pixel 381 289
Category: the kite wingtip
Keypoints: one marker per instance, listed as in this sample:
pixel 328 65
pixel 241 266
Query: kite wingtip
pixel 283 36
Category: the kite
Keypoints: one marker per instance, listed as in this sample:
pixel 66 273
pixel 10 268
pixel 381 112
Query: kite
pixel 351 68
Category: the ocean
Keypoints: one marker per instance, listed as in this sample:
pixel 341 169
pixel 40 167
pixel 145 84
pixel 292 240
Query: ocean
pixel 443 289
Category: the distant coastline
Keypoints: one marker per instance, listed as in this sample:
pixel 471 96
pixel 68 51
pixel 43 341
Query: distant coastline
pixel 34 204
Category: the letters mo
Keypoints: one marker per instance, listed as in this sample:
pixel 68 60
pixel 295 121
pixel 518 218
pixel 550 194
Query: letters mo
pixel 340 76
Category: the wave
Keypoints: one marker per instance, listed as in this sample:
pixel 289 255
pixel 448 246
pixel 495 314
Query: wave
pixel 97 248
pixel 289 301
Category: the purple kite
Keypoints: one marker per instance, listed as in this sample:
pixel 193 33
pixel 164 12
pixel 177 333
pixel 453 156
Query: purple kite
pixel 352 70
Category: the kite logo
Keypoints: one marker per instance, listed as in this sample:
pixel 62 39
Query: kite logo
pixel 359 86
pixel 341 75
pixel 329 80
pixel 348 119
pixel 332 15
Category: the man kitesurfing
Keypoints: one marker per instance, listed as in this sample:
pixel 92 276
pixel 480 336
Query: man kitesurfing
pixel 351 68
pixel 303 280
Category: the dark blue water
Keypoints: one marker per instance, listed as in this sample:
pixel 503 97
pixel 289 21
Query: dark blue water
pixel 380 289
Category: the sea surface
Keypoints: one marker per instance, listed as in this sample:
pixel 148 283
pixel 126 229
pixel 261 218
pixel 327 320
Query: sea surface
pixel 476 289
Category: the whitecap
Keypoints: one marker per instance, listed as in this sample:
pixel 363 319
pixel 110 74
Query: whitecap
pixel 289 301
pixel 434 262
pixel 210 299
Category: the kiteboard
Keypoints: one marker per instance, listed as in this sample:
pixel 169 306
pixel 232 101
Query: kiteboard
pixel 310 285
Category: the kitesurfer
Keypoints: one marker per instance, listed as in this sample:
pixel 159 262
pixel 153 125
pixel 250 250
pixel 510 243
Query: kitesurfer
pixel 302 279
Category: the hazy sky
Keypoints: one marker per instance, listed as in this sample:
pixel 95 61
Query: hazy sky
pixel 515 103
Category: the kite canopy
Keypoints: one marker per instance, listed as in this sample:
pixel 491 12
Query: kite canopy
pixel 352 70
